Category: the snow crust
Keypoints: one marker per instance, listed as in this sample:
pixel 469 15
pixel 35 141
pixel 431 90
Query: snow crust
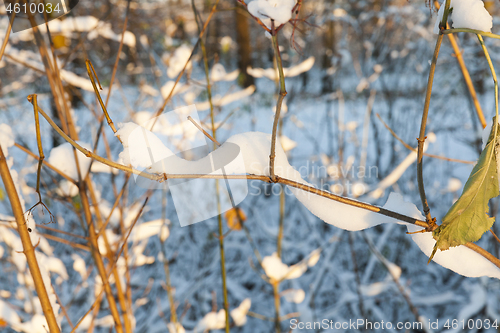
pixel 466 14
pixel 266 10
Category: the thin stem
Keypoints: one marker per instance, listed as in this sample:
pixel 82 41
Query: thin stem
pixel 200 35
pixel 115 67
pixel 61 232
pixel 98 258
pixel 282 94
pixel 93 77
pixel 494 235
pixel 49 71
pixel 112 265
pixel 407 146
pixel 277 304
pixel 63 308
pixel 465 73
pixel 39 144
pixel 65 241
pixel 217 185
pixel 47 164
pixel 202 130
pixel 421 138
pixel 356 274
pixel 166 266
pixel 118 284
pixel 7 34
pixel 282 203
pixel 384 262
pixel 477 32
pixel 281 221
pixel 28 248
pixel 40 160
pixel 446 12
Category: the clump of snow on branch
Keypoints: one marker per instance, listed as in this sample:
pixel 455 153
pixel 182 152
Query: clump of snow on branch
pixel 212 321
pixel 469 14
pixel 266 10
pixel 294 295
pixel 239 314
pixel 276 270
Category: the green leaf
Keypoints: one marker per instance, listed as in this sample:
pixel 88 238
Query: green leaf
pixel 467 220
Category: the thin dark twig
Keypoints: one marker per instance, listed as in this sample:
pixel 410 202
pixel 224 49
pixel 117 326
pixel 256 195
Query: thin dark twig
pixel 40 160
pixel 407 146
pixel 200 35
pixel 204 132
pixel 93 78
pixel 7 34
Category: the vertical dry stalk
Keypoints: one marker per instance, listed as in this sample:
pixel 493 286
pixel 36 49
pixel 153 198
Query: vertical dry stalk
pixel 109 253
pixel 166 265
pixel 202 32
pixel 282 94
pixel 277 303
pixel 98 258
pixel 28 249
pixel 49 71
pixel 68 127
pixel 7 34
pixel 421 138
pixel 217 189
pixel 115 67
pixel 465 72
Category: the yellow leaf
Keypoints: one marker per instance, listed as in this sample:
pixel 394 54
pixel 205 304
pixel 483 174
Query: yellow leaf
pixel 2 195
pixel 59 41
pixel 235 218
